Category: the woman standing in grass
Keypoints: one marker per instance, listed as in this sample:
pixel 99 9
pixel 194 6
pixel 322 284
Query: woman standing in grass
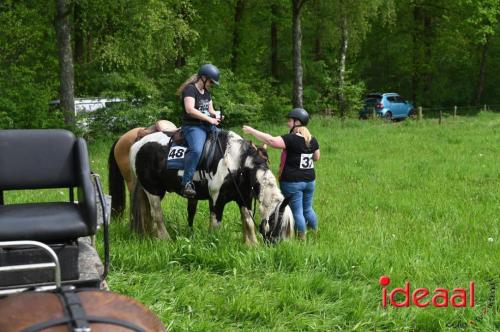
pixel 296 174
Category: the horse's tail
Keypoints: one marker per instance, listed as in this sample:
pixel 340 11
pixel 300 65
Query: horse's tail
pixel 116 184
pixel 141 212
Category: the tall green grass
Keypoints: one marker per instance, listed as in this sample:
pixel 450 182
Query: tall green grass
pixel 412 200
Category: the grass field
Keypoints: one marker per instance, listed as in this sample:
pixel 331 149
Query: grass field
pixel 412 200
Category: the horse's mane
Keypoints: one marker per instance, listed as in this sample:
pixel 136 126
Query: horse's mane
pixel 257 153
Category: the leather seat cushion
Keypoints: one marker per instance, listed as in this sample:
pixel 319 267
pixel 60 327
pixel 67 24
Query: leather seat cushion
pixel 41 222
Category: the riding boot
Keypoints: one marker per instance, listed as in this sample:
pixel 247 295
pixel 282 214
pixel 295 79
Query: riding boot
pixel 301 236
pixel 188 191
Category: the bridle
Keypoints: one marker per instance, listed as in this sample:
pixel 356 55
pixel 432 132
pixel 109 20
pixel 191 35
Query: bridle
pixel 231 175
pixel 252 191
pixel 276 220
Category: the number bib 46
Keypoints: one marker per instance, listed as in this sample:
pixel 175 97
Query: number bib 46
pixel 306 161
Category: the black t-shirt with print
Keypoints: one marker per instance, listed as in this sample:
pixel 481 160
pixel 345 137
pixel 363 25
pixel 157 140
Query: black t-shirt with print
pixel 297 159
pixel 201 103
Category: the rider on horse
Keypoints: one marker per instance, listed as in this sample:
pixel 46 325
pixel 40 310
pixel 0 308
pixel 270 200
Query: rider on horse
pixel 199 119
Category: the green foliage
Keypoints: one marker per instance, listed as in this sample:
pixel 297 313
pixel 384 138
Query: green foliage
pixel 483 17
pixel 120 118
pixel 428 51
pixel 135 35
pixel 5 121
pixel 128 85
pixel 28 66
pixel 240 101
pixel 26 106
pixel 322 92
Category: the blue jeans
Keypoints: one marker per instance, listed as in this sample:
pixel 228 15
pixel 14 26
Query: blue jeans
pixel 301 194
pixel 195 136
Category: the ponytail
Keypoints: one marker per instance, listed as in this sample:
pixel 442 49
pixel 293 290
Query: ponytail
pixel 305 133
pixel 190 80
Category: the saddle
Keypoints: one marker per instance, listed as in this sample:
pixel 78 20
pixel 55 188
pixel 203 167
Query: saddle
pixel 178 145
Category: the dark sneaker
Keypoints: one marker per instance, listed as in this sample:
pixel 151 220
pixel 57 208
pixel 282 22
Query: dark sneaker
pixel 188 190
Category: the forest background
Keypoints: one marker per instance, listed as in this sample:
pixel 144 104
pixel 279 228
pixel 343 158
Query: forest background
pixel 322 55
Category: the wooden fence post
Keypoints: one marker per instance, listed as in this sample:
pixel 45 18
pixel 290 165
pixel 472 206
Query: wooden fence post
pixel 373 113
pixel 440 116
pixel 485 108
pixel 419 113
pixel 455 112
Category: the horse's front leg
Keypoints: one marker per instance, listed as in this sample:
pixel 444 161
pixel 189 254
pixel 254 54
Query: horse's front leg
pixel 158 226
pixel 216 211
pixel 191 209
pixel 248 227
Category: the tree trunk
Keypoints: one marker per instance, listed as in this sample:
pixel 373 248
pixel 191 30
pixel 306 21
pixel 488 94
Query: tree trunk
pixel 180 61
pixel 274 40
pixel 428 37
pixel 318 40
pixel 297 99
pixel 415 56
pixel 79 39
pixel 342 60
pixel 318 48
pixel 238 13
pixel 482 72
pixel 66 73
pixel 90 47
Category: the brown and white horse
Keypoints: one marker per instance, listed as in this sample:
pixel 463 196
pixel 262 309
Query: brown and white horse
pixel 119 164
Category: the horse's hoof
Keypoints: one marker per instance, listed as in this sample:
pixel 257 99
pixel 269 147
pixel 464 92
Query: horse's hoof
pixel 215 225
pixel 251 243
pixel 163 236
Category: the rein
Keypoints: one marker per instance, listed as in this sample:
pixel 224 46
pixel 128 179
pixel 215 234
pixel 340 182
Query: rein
pixel 276 217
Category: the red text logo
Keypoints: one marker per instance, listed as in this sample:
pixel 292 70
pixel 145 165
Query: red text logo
pixel 422 297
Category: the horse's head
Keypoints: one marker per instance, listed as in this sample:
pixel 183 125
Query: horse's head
pixel 277 222
pixel 261 151
pixel 279 225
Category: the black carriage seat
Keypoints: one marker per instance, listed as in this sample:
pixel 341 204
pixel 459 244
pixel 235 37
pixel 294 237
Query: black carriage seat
pixel 46 158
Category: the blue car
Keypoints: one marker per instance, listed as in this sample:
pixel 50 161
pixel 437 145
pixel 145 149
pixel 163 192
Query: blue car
pixel 386 105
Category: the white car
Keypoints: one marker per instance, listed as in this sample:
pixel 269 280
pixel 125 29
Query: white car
pixel 85 105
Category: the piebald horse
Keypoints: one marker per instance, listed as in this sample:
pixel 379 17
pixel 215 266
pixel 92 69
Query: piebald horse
pixel 119 164
pixel 238 172
pixel 120 169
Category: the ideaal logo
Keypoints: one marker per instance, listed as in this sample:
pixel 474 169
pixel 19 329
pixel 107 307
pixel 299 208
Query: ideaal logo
pixel 422 297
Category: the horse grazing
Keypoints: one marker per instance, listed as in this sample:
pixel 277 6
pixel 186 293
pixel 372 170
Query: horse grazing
pixel 235 170
pixel 76 310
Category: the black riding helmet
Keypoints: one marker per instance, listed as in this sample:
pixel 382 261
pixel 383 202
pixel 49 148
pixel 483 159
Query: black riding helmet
pixel 210 71
pixel 299 114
